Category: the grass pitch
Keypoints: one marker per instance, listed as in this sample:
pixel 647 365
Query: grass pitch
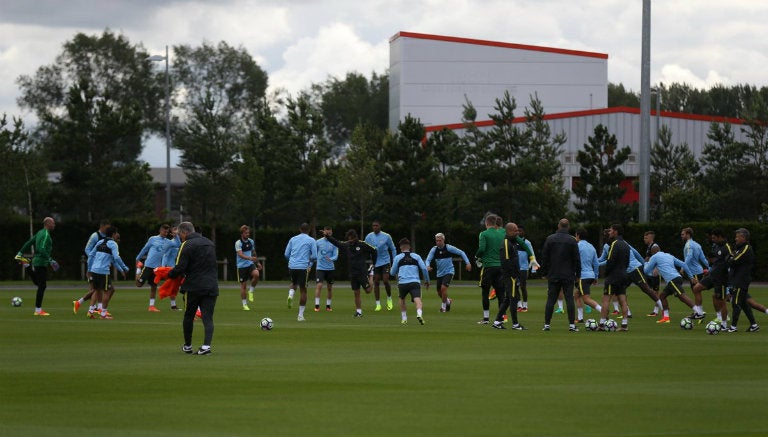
pixel 334 375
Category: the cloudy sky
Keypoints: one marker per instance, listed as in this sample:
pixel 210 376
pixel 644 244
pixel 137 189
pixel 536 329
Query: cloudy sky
pixel 300 42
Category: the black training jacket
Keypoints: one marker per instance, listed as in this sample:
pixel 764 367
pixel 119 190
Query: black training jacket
pixel 197 263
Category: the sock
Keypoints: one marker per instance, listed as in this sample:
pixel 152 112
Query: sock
pixel 418 312
pixel 666 313
pixel 602 321
pixel 389 298
pixel 151 302
pixel 328 303
pixel 378 303
pixel 250 289
pixel 560 304
pixel 442 305
pixel 571 325
pixel 403 315
pixel 37 309
pixel 581 313
pixel 659 306
pixel 629 312
pixel 99 306
pixel 486 314
pixel 766 311
pixel 291 292
pixel 317 301
pixel 245 302
pixel 173 302
pixel 91 308
pixel 103 311
pixel 359 311
pixel 301 310
pixel 598 308
pixel 80 301
pixel 519 304
pixel 616 306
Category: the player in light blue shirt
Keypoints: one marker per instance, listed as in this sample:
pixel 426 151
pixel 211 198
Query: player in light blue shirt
pixel 668 267
pixel 172 246
pixel 443 254
pixel 694 258
pixel 327 254
pixel 590 270
pixel 409 268
pixel 385 251
pixel 248 265
pixel 301 253
pixel 525 265
pixel 103 255
pixel 153 251
pixel 92 240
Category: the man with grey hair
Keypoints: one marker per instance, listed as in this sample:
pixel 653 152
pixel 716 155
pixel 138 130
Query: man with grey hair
pixel 196 262
pixel 443 254
pixel 739 277
pixel 38 268
pixel 561 265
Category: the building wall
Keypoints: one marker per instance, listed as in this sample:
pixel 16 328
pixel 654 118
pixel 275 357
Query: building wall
pixel 432 77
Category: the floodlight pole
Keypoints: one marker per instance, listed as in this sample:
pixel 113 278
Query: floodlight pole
pixel 645 115
pixel 167 130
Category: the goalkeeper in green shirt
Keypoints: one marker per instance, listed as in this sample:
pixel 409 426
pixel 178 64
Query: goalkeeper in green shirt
pixel 38 270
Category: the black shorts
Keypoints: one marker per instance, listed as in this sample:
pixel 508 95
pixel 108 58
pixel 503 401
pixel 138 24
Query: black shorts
pixel 654 282
pixel 100 281
pixel 615 289
pixel 444 280
pixel 244 273
pixel 637 277
pixel 325 276
pixel 412 288
pixel 147 276
pixel 491 277
pixel 383 269
pixel 583 286
pixel 299 277
pixel 697 276
pixel 359 281
pixel 674 287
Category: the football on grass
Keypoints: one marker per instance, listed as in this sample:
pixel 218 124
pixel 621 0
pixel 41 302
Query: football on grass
pixel 16 301
pixel 267 324
pixel 686 323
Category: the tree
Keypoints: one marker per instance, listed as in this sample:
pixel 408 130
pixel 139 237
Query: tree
pixel 352 101
pixel 599 177
pixel 409 178
pixel 450 156
pixel 673 176
pixel 219 90
pixel 93 105
pixel 359 188
pixel 619 96
pixel 724 173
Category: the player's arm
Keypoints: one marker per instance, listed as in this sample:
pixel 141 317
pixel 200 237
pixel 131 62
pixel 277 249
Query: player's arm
pixel 182 261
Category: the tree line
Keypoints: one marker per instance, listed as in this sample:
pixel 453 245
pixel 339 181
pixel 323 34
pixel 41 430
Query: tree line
pixel 326 156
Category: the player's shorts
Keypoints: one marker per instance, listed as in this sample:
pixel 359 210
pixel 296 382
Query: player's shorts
pixel 523 278
pixel 359 281
pixel 382 269
pixel 491 277
pixel 412 288
pixel 709 281
pixel 637 277
pixel 244 273
pixel 147 276
pixel 100 281
pixel 615 289
pixel 654 282
pixel 444 280
pixel 583 286
pixel 674 287
pixel 697 276
pixel 325 276
pixel 299 277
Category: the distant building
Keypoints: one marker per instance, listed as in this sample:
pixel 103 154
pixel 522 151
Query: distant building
pixel 178 181
pixel 432 76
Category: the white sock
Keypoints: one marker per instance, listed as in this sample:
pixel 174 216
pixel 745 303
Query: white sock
pixel 317 301
pixel 291 292
pixel 403 315
pixel 616 306
pixel 418 312
pixel 442 305
pixel 629 312
pixel 560 303
pixel 250 289
pixel 659 306
pixel 520 304
pixel 327 302
pixel 245 302
pixel 598 308
pixel 151 302
pixel 486 314
pixel 80 301
pixel 99 306
pixel 666 313
pixel 301 311
pixel 173 302
pixel 359 311
pixel 581 313
pixel 378 303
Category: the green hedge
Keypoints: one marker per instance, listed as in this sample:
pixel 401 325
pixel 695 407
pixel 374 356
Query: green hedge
pixel 69 241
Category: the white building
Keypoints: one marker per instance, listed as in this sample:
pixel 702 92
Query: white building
pixel 432 76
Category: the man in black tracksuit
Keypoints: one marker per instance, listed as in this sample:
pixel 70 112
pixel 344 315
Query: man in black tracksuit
pixel 196 262
pixel 561 265
pixel 509 295
pixel 358 253
pixel 616 265
pixel 739 278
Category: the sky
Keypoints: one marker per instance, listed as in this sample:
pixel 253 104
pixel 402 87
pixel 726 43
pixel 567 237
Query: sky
pixel 301 42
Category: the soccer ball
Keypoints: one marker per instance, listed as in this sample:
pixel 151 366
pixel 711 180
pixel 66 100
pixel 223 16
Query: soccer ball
pixel 591 324
pixel 16 301
pixel 686 323
pixel 611 325
pixel 713 328
pixel 267 324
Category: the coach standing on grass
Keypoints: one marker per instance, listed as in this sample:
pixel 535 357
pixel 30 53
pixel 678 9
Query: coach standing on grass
pixel 196 262
pixel 561 265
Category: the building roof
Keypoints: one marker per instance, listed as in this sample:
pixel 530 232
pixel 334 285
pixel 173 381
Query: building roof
pixel 178 178
pixel 507 45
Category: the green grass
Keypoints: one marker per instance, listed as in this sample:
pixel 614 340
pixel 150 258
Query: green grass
pixel 334 375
